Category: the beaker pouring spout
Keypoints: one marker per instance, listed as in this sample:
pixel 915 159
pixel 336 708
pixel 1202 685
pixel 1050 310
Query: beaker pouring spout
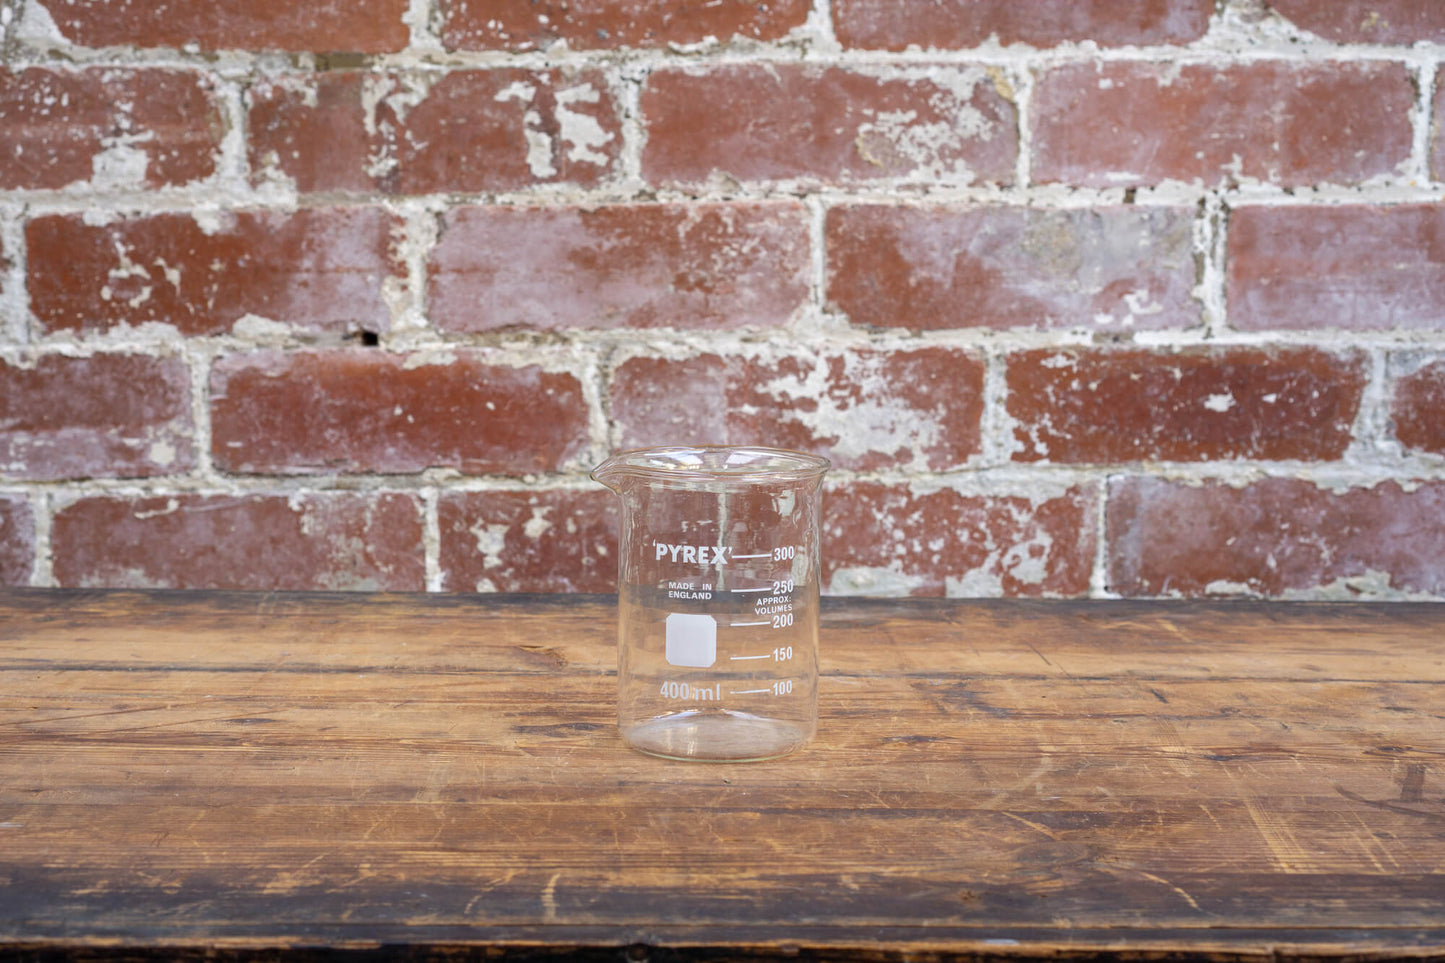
pixel 615 472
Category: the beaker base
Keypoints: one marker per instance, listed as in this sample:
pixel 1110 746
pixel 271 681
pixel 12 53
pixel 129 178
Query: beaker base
pixel 715 735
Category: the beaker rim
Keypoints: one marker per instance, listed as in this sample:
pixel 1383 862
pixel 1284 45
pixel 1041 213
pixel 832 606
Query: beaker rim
pixel 713 463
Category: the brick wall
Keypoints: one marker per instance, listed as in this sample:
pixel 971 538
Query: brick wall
pixel 1083 299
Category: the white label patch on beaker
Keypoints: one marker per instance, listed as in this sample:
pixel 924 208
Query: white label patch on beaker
pixel 691 640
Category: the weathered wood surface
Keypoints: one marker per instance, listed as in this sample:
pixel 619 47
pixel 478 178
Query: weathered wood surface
pixel 197 772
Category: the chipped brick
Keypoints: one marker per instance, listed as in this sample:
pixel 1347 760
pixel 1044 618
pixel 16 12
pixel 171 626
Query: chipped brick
pixel 103 416
pixel 361 26
pixel 341 541
pixel 148 126
pixel 1198 404
pixel 1418 410
pixel 638 266
pixel 1289 124
pixel 864 409
pixel 832 125
pixel 1353 267
pixel 1275 537
pixel 1402 22
pixel 320 269
pixel 418 132
pixel 532 541
pixel 1115 268
pixel 363 410
pixel 890 539
pixel 17 540
pixel 899 24
pixel 519 25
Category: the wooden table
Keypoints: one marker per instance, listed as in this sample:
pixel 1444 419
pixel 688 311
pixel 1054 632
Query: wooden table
pixel 202 775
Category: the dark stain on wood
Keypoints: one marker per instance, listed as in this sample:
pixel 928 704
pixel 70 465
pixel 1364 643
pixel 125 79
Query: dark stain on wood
pixel 558 729
pixel 1412 787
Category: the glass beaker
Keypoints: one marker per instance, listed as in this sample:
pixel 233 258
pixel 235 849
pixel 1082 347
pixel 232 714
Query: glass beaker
pixel 717 599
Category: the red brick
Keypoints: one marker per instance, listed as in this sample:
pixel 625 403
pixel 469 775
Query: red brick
pixel 362 26
pixel 891 539
pixel 417 133
pixel 1005 267
pixel 864 409
pixel 1418 410
pixel 1102 406
pixel 108 415
pixel 369 411
pixel 828 124
pixel 1290 124
pixel 319 269
pixel 606 24
pixel 532 541
pixel 1401 22
pixel 17 540
pixel 637 266
pixel 343 541
pixel 898 24
pixel 1437 141
pixel 1275 537
pixel 58 126
pixel 1354 266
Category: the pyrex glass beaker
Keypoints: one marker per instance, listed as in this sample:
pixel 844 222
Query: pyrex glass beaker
pixel 717 599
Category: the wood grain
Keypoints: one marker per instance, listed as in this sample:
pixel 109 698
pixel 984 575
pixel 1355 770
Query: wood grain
pixel 184 774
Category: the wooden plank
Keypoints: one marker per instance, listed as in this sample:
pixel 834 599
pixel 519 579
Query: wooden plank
pixel 185 771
